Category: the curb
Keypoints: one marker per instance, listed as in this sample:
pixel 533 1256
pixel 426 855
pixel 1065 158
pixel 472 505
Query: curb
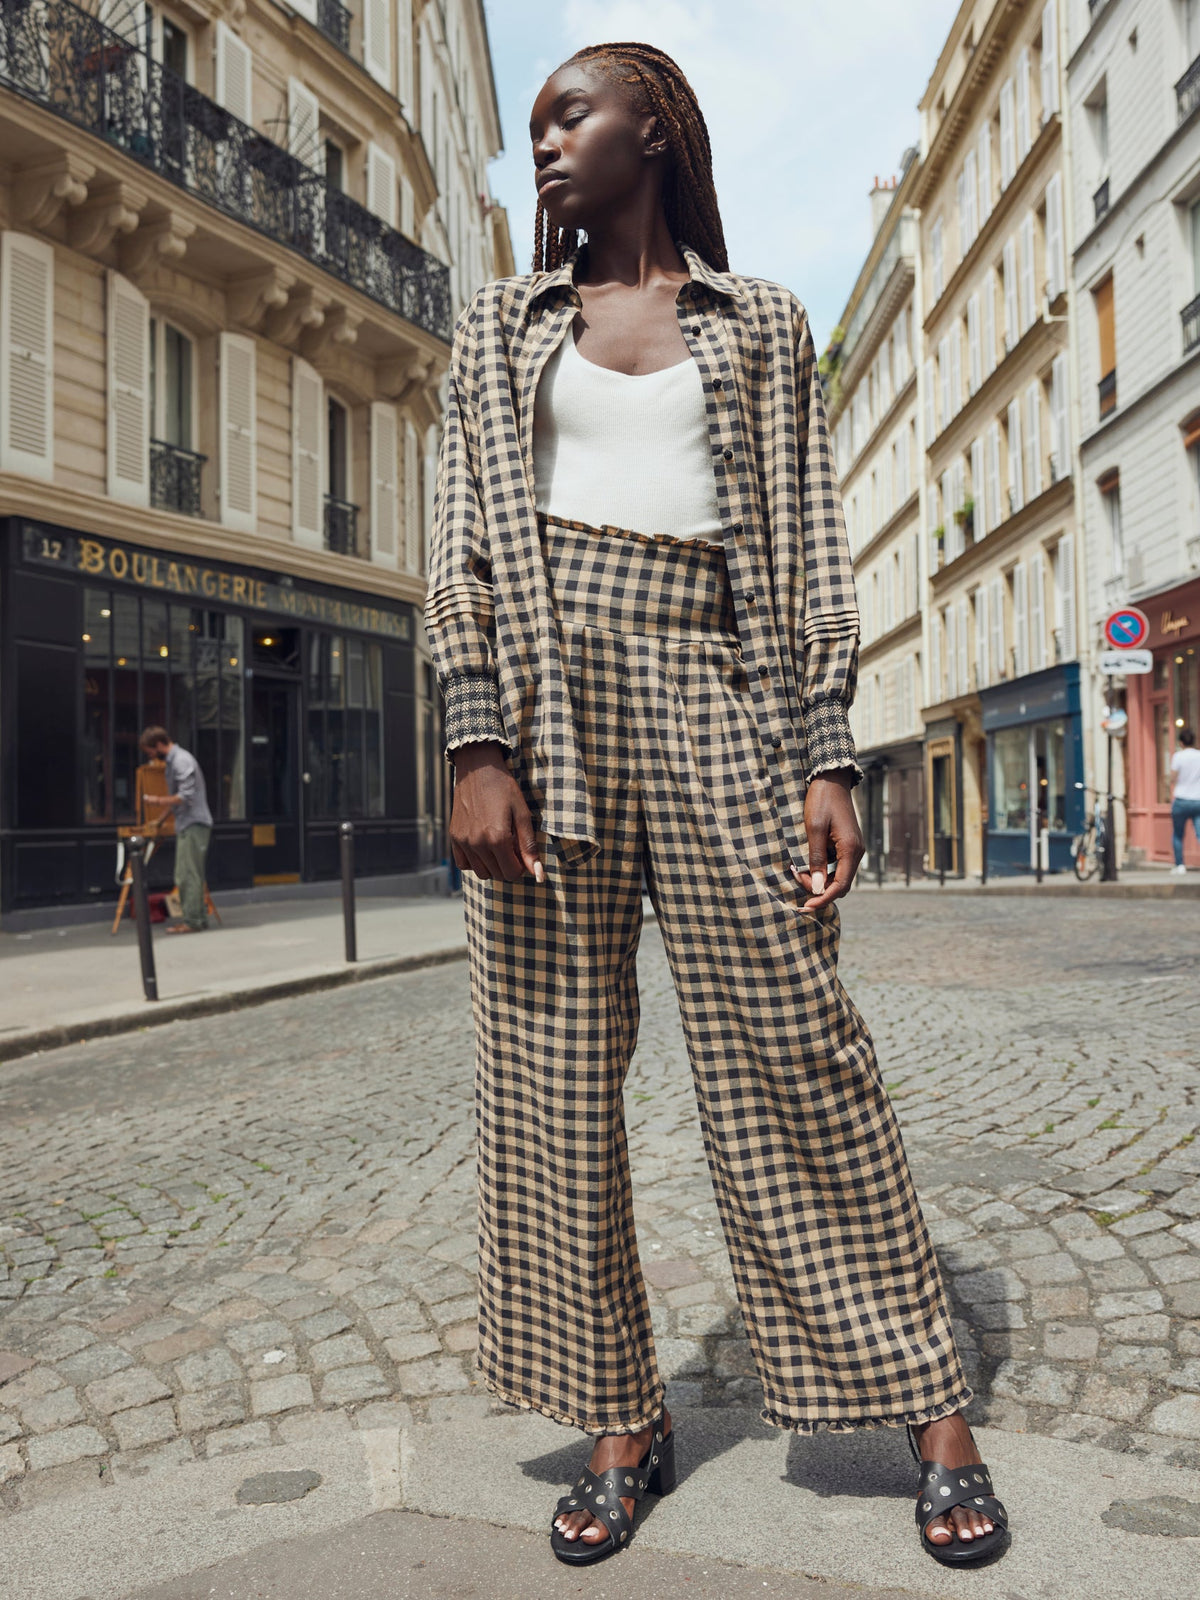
pixel 1056 891
pixel 35 1040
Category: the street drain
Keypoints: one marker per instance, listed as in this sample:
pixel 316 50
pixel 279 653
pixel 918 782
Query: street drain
pixel 273 1488
pixel 1164 1514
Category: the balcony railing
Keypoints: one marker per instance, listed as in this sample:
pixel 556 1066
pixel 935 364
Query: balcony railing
pixel 1187 90
pixel 66 60
pixel 1100 200
pixel 1190 316
pixel 334 22
pixel 175 478
pixel 1108 392
pixel 341 526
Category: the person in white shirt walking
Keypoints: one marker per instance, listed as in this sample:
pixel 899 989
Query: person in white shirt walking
pixel 1185 801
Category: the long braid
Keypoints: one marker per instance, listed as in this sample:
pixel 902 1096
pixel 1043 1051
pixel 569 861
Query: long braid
pixel 689 194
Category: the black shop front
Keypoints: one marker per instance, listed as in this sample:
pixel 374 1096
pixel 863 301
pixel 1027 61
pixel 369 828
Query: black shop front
pixel 306 706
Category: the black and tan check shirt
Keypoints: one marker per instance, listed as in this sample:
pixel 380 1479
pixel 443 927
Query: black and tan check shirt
pixel 489 610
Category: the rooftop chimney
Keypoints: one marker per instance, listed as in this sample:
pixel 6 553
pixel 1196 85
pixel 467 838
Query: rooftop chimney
pixel 882 194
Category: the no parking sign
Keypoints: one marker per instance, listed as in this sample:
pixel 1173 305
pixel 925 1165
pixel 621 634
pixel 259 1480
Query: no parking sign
pixel 1127 628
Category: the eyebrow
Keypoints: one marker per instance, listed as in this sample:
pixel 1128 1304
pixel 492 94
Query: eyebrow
pixel 564 94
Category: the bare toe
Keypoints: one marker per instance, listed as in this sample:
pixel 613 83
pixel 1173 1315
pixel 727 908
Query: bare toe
pixel 939 1531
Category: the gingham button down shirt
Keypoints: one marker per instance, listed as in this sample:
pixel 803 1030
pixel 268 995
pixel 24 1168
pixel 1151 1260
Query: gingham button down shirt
pixel 489 610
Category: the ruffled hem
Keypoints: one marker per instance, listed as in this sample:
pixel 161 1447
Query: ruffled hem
pixel 523 1403
pixel 852 1424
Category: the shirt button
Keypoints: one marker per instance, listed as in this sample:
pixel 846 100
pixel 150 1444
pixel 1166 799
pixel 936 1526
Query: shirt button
pixel 763 671
pixel 775 741
pixel 751 598
pixel 716 383
pixel 696 329
pixel 738 528
pixel 728 454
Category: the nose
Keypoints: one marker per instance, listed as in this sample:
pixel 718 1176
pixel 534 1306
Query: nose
pixel 545 150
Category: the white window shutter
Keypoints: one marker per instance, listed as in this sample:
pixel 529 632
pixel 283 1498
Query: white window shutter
pixel 1056 276
pixel 989 323
pixel 1049 59
pixel 1029 300
pixel 1020 619
pixel 381 184
pixel 1033 439
pixel 404 55
pixel 937 260
pixel 982 675
pixel 1016 478
pixel 956 394
pixel 1011 326
pixel 970 199
pixel 237 400
pixel 1037 611
pixel 1008 148
pixel 377 40
pixel 412 500
pixel 304 126
pixel 994 511
pixel 408 209
pixel 974 352
pixel 306 8
pixel 1066 594
pixel 1024 119
pixel 977 488
pixel 945 410
pixel 308 455
pixel 233 78
pixel 1058 417
pixel 128 391
pixel 385 483
pixel 997 661
pixel 984 151
pixel 964 642
pixel 930 403
pixel 951 652
pixel 26 355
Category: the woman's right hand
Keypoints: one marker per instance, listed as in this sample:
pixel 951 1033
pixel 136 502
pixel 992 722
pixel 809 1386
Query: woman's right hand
pixel 491 830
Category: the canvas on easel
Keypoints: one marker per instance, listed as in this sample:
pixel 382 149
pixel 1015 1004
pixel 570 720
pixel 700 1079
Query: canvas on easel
pixel 155 823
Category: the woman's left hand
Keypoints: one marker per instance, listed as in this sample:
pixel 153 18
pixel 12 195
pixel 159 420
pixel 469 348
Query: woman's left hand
pixel 830 819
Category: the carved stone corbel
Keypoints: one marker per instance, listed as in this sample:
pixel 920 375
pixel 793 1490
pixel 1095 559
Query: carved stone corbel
pixel 403 379
pixel 161 241
pixel 249 300
pixel 304 311
pixel 40 192
pixel 339 327
pixel 113 210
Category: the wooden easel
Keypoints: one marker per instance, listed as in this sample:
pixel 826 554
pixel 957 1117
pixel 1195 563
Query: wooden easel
pixel 157 822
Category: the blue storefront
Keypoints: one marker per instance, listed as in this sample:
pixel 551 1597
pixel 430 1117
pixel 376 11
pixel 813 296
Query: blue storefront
pixel 1035 758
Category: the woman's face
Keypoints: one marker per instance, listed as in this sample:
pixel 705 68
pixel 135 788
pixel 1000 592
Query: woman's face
pixel 590 146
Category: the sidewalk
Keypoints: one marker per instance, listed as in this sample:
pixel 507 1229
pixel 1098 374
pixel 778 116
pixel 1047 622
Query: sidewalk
pixel 65 984
pixel 1134 883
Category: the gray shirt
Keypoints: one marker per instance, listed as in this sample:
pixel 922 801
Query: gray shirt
pixel 185 778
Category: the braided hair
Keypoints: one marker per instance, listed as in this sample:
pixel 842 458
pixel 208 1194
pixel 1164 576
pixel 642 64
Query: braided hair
pixel 689 194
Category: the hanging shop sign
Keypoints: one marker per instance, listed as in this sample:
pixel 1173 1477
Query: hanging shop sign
pixel 1115 663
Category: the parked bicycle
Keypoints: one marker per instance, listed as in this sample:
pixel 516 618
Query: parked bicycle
pixel 1089 847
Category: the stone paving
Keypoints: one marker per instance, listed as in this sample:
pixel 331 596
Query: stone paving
pixel 220 1234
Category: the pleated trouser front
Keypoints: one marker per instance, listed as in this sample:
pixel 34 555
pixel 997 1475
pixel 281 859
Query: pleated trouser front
pixel 835 1273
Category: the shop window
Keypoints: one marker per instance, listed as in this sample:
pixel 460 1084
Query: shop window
pixel 1164 746
pixel 47 734
pixel 345 732
pixel 1184 688
pixel 1010 779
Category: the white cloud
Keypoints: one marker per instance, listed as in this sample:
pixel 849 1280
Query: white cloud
pixel 805 105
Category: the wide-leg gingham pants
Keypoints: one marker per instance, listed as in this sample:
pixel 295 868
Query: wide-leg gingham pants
pixel 835 1272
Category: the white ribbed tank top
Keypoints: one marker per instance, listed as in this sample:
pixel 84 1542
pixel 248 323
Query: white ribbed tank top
pixel 631 451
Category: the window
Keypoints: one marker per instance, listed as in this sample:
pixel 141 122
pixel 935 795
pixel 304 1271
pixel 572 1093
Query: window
pixel 970 225
pixel 1011 324
pixel 166 42
pixel 1016 477
pixel 989 323
pixel 335 166
pixel 993 475
pixel 1096 106
pixel 1024 119
pixel 1050 97
pixel 1010 780
pixel 974 349
pixel 937 263
pixel 945 401
pixel 1110 492
pixel 1106 340
pixel 1028 283
pixel 1020 615
pixel 345 726
pixel 1008 146
pixel 1033 439
pixel 341 516
pixel 979 515
pixel 1064 599
pixel 983 151
pixel 1059 440
pixel 1056 270
pixel 172 379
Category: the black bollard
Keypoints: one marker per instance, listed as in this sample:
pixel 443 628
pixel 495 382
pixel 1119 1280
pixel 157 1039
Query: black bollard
pixel 879 865
pixel 347 843
pixel 907 859
pixel 141 914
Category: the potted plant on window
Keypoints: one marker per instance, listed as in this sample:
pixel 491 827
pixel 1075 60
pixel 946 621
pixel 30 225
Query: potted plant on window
pixel 939 539
pixel 965 517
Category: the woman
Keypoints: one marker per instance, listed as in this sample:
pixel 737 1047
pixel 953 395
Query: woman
pixel 641 608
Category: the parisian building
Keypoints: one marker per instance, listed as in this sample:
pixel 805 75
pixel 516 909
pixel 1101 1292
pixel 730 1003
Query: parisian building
pixel 1002 702
pixel 870 375
pixel 234 236
pixel 1133 83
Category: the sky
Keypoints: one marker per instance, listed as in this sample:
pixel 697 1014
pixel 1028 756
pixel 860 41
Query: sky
pixel 805 100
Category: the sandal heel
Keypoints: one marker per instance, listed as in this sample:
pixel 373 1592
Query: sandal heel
pixel 662 1479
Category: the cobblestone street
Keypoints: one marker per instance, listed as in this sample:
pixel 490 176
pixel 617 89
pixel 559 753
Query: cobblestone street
pixel 243 1229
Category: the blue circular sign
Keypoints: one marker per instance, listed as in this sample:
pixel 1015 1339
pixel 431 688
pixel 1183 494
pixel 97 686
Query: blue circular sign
pixel 1127 628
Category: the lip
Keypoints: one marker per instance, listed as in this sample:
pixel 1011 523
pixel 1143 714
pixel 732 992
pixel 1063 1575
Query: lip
pixel 548 180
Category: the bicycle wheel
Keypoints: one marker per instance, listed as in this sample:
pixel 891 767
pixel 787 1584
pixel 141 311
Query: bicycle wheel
pixel 1084 854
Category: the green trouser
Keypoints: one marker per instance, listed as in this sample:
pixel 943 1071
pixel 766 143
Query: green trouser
pixel 191 848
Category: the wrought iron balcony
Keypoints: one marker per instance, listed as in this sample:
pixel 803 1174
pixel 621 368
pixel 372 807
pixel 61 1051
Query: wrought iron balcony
pixel 1100 200
pixel 1108 392
pixel 1190 316
pixel 175 478
pixel 1187 90
pixel 66 60
pixel 341 526
pixel 334 22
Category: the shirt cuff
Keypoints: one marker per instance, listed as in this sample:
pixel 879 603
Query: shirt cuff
pixel 472 710
pixel 829 740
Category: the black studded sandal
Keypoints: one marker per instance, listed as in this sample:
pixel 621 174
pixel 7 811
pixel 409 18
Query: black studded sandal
pixel 941 1489
pixel 601 1493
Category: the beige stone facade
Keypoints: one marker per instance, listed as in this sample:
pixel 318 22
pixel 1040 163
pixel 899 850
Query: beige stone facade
pixel 235 238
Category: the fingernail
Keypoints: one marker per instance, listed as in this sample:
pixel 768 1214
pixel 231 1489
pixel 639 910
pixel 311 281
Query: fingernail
pixel 818 882
pixel 538 873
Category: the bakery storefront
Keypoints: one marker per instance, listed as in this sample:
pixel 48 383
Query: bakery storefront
pixel 1160 703
pixel 305 705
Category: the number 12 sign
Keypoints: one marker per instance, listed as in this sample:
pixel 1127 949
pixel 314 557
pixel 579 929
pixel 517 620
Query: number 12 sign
pixel 1127 628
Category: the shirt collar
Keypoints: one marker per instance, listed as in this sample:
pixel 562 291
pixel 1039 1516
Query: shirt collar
pixel 725 283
